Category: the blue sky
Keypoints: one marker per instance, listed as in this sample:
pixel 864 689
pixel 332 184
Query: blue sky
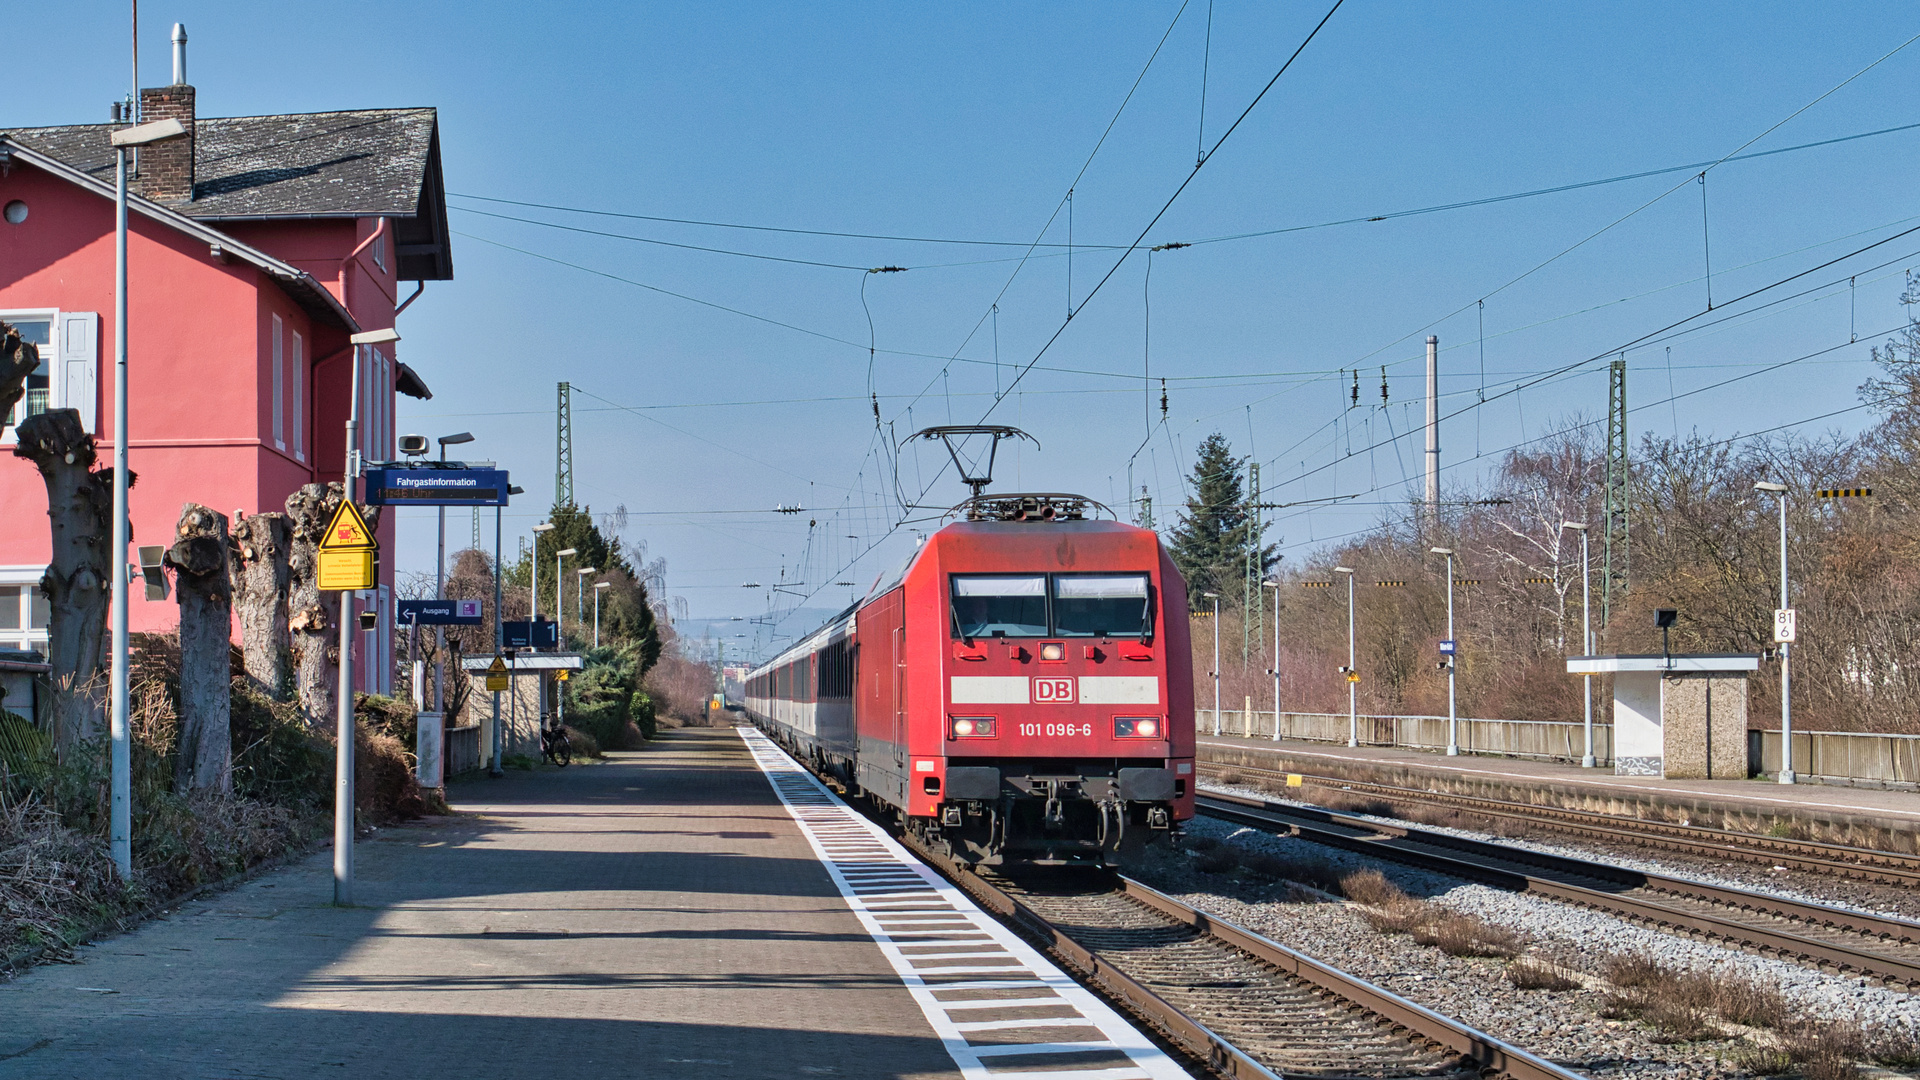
pixel 970 123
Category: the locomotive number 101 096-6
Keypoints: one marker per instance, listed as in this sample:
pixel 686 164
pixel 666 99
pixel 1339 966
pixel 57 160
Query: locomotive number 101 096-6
pixel 1056 729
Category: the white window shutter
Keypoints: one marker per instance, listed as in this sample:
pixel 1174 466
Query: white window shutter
pixel 77 381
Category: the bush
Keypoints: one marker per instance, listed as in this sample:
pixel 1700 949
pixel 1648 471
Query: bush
pixel 1528 973
pixel 1370 887
pixel 1464 935
pixel 583 744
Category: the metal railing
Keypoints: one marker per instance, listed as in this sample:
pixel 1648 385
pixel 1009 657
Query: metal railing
pixel 462 749
pixel 1865 758
pixel 1544 739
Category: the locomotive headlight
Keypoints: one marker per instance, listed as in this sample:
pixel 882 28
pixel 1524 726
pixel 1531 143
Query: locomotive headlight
pixel 971 727
pixel 1136 727
pixel 1053 650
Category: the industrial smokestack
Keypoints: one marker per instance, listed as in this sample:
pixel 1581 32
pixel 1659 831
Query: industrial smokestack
pixel 179 54
pixel 1433 430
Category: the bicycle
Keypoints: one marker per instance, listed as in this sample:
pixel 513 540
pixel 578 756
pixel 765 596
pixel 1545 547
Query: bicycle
pixel 555 746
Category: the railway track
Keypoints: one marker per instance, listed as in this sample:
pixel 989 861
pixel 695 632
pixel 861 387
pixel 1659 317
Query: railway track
pixel 1247 1006
pixel 1808 933
pixel 1860 864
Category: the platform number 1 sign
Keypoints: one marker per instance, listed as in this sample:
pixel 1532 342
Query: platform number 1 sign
pixel 1783 625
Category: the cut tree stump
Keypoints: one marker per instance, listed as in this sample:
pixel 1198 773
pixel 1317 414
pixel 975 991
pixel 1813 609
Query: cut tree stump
pixel 312 614
pixel 261 573
pixel 204 758
pixel 78 579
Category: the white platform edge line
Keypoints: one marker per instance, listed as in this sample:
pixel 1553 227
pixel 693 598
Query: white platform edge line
pixel 1120 1035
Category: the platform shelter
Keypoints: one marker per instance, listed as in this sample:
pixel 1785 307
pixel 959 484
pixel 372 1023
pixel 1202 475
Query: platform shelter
pixel 1677 715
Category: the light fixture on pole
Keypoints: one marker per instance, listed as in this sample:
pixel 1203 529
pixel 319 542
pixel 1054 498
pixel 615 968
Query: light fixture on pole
pixel 1453 646
pixel 580 594
pixel 1353 676
pixel 440 581
pixel 1587 760
pixel 1786 666
pixel 533 573
pixel 598 586
pixel 343 766
pixel 560 594
pixel 1215 597
pixel 120 769
pixel 499 641
pixel 1274 584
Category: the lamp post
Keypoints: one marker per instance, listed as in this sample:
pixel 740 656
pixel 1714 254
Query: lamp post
pixel 499 642
pixel 598 587
pixel 1786 667
pixel 120 782
pixel 1215 597
pixel 1274 584
pixel 560 594
pixel 533 573
pixel 1353 677
pixel 1453 715
pixel 580 594
pixel 440 582
pixel 1587 760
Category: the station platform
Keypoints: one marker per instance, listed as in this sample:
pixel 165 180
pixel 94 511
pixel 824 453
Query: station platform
pixel 1851 815
pixel 700 908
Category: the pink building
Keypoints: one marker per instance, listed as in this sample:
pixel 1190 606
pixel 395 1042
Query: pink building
pixel 257 246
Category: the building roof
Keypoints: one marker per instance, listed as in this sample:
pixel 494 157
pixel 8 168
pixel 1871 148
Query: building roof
pixel 306 291
pixel 1678 662
pixel 350 164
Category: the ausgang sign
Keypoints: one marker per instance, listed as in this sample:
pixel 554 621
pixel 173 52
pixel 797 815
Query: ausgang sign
pixel 436 487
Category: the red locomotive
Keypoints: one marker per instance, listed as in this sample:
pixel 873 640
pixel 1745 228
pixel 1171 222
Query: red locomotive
pixel 1019 690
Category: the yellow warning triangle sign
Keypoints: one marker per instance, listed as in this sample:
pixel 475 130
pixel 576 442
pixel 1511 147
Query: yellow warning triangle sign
pixel 498 667
pixel 348 531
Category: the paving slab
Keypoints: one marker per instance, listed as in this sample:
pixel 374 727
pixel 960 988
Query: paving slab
pixel 658 915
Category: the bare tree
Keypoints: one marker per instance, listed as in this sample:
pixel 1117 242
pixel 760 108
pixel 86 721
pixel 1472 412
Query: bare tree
pixel 312 615
pixel 261 575
pixel 204 759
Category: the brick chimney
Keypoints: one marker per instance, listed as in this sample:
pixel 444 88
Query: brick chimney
pixel 166 169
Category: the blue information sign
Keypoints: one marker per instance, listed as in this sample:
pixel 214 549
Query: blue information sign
pixel 539 634
pixel 1448 648
pixel 436 487
pixel 437 613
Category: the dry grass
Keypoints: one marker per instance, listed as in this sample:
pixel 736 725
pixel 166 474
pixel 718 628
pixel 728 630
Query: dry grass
pixel 1370 887
pixel 1530 973
pixel 1464 935
pixel 1683 1005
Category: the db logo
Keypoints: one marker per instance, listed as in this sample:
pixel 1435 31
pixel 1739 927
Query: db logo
pixel 1053 691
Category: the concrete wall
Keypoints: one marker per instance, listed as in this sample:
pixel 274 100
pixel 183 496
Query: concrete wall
pixel 1500 738
pixel 1704 715
pixel 1848 758
pixel 1639 745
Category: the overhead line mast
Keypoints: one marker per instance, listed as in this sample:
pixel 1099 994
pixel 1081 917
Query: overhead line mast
pixel 563 448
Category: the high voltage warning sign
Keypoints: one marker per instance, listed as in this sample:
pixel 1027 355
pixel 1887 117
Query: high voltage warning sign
pixel 349 554
pixel 497 678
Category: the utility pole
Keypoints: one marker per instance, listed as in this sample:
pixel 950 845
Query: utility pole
pixel 1250 628
pixel 1146 508
pixel 1613 550
pixel 563 448
pixel 1433 431
pixel 1353 675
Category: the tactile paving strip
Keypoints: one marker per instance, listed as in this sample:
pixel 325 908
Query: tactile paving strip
pixel 1003 1011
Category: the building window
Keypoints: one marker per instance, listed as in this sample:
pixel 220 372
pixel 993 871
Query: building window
pixel 279 385
pixel 35 328
pixel 380 245
pixel 299 398
pixel 24 610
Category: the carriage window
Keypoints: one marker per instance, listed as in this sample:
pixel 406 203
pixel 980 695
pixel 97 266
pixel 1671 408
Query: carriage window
pixel 999 605
pixel 1100 605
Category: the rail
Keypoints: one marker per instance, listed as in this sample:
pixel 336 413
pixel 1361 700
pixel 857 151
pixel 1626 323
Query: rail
pixel 1873 945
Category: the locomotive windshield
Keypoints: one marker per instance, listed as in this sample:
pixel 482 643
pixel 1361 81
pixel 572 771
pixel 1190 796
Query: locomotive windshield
pixel 1000 605
pixel 1099 605
pixel 1076 605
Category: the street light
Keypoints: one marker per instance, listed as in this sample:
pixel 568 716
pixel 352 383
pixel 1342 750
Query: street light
pixel 1587 760
pixel 440 580
pixel 560 593
pixel 597 587
pixel 533 572
pixel 499 642
pixel 1216 661
pixel 580 593
pixel 1786 680
pixel 1453 716
pixel 1353 677
pixel 1274 584
pixel 120 784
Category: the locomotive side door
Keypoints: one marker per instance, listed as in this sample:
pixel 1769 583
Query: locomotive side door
pixel 900 698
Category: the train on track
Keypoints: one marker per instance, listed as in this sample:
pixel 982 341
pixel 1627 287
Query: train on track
pixel 1019 690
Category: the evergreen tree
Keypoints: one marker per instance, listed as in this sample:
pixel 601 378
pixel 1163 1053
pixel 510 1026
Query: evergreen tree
pixel 1215 536
pixel 626 611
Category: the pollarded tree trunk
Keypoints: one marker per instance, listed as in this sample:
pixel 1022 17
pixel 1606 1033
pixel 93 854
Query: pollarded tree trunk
pixel 312 614
pixel 204 759
pixel 261 575
pixel 78 577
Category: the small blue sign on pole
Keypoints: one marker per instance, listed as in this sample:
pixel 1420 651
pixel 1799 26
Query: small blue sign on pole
pixel 537 634
pixel 436 487
pixel 437 613
pixel 1449 648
